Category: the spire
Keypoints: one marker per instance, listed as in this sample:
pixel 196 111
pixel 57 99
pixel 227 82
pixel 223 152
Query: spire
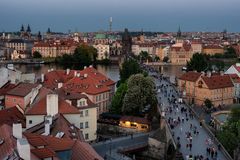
pixel 179 33
pixel 48 30
pixel 142 32
pixel 22 28
pixel 28 28
pixel 39 35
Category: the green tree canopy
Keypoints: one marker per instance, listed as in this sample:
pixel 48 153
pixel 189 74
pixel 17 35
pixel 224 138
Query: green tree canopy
pixel 229 136
pixel 198 62
pixel 37 54
pixel 139 94
pixel 117 101
pixel 129 67
pixel 208 103
pixel 165 59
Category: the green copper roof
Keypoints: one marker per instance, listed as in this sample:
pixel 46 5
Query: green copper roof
pixel 100 36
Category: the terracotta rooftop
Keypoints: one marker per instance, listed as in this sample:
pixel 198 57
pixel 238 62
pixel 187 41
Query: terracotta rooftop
pixel 40 108
pixel 190 76
pixel 22 89
pixel 4 89
pixel 7 148
pixel 43 153
pixel 12 115
pixel 59 124
pixel 218 81
pixel 79 150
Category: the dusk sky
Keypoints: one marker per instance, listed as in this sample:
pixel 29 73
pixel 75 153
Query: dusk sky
pixel 93 15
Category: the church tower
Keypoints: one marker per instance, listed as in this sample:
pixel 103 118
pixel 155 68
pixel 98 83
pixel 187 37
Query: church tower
pixel 179 36
pixel 22 31
pixel 28 31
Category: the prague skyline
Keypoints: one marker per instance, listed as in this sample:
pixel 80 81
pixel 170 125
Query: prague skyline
pixel 93 15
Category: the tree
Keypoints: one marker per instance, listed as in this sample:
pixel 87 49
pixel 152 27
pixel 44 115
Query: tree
pixel 144 55
pixel 230 52
pixel 208 103
pixel 129 67
pixel 139 94
pixel 229 136
pixel 36 54
pixel 117 101
pixel 157 58
pixel 165 59
pixel 198 62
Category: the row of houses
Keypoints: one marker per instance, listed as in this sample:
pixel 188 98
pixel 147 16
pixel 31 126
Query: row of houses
pixel 221 88
pixel 42 117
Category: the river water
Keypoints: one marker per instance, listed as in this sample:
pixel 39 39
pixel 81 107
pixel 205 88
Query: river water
pixel 112 71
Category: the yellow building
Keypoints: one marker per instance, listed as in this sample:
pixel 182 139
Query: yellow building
pixel 180 53
pixel 197 87
pixel 213 49
pixel 138 123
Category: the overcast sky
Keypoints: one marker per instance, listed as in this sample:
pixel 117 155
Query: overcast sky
pixel 93 15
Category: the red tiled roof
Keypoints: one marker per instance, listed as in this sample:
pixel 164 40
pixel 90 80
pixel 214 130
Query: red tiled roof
pixel 237 67
pixel 218 81
pixel 12 115
pixel 7 148
pixel 59 124
pixel 4 89
pixel 80 150
pixel 22 89
pixel 40 108
pixel 190 76
pixel 85 85
pixel 43 152
pixel 37 141
pixel 134 119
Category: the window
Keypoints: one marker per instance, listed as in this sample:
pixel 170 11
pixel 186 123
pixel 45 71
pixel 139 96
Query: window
pixel 30 121
pixel 86 136
pixel 86 125
pixel 81 113
pixel 14 100
pixel 81 125
pixel 86 113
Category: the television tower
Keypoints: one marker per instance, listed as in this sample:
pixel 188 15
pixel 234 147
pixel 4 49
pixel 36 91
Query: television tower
pixel 110 24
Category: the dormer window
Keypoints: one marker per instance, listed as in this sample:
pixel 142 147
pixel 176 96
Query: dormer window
pixel 82 102
pixel 200 83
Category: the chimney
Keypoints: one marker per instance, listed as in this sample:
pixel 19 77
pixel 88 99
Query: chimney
pixel 52 104
pixel 78 74
pixel 47 128
pixel 85 75
pixel 209 74
pixel 42 77
pixel 75 73
pixel 238 64
pixel 221 73
pixel 67 71
pixel 17 130
pixel 85 67
pixel 90 66
pixel 60 84
pixel 49 70
pixel 52 69
pixel 23 149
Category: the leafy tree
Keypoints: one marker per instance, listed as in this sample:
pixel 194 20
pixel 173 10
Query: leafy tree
pixel 139 94
pixel 36 54
pixel 198 62
pixel 157 58
pixel 165 59
pixel 144 55
pixel 230 52
pixel 129 67
pixel 229 136
pixel 208 103
pixel 117 101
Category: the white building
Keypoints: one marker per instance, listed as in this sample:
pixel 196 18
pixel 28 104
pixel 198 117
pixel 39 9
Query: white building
pixel 103 51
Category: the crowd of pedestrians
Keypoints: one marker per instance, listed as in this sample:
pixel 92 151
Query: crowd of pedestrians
pixel 181 121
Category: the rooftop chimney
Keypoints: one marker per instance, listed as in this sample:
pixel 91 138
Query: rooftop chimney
pixel 75 73
pixel 23 148
pixel 221 73
pixel 67 71
pixel 209 74
pixel 47 128
pixel 85 75
pixel 90 66
pixel 52 104
pixel 60 84
pixel 17 130
pixel 78 74
pixel 85 67
pixel 42 77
